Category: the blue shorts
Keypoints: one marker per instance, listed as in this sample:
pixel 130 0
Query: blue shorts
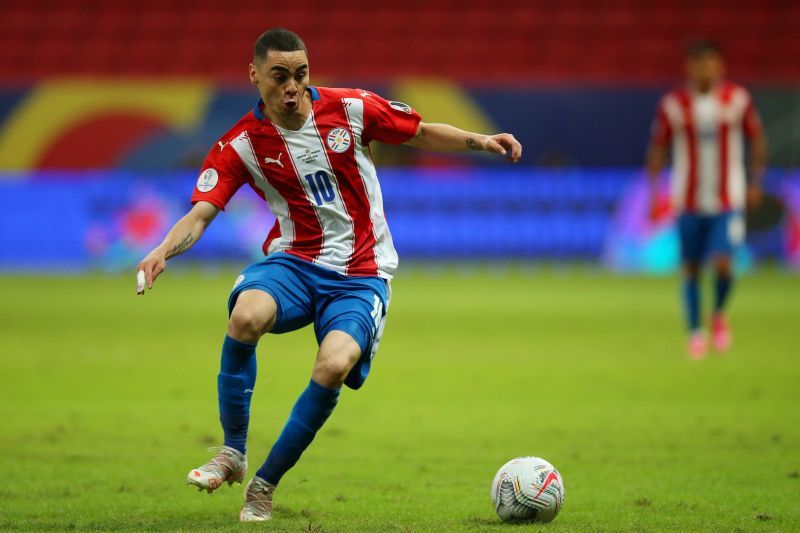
pixel 307 293
pixel 704 236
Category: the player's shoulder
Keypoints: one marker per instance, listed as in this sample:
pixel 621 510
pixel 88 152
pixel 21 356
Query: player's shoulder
pixel 734 90
pixel 732 86
pixel 344 92
pixel 371 101
pixel 334 98
pixel 248 121
pixel 678 92
pixel 672 98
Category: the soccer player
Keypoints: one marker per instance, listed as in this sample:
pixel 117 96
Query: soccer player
pixel 329 256
pixel 705 123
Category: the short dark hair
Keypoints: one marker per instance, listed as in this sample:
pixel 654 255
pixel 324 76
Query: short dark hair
pixel 278 39
pixel 702 47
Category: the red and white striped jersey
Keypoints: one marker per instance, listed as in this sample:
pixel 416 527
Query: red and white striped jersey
pixel 319 181
pixel 708 154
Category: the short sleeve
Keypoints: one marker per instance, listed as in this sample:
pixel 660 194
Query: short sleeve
pixel 751 122
pixel 221 176
pixel 387 121
pixel 661 131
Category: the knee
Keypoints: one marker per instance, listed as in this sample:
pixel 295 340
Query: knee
pixel 332 371
pixel 691 271
pixel 247 324
pixel 723 267
pixel 334 363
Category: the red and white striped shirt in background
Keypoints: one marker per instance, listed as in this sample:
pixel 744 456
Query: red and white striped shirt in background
pixel 708 154
pixel 319 181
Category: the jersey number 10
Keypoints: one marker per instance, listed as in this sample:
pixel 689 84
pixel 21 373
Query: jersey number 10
pixel 321 187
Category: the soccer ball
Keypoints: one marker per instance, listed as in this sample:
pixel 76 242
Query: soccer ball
pixel 527 488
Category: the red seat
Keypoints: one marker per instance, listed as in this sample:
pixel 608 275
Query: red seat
pixel 580 40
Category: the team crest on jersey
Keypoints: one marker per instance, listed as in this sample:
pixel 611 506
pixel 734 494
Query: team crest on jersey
pixel 207 180
pixel 339 140
pixel 400 106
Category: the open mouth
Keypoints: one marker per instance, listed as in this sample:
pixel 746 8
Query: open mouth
pixel 291 105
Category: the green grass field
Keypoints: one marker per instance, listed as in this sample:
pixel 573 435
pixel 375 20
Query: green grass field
pixel 108 400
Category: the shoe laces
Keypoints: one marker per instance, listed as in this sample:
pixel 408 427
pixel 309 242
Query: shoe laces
pixel 259 497
pixel 223 460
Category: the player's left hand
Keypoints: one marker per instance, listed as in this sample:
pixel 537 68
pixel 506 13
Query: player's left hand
pixel 504 144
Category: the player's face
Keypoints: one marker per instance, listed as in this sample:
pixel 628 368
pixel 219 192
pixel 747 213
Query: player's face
pixel 281 79
pixel 705 69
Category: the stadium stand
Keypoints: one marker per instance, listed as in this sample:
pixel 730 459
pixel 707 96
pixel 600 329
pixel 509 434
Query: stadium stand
pixel 126 96
pixel 629 40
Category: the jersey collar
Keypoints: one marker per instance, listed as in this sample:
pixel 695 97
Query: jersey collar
pixel 313 91
pixel 691 88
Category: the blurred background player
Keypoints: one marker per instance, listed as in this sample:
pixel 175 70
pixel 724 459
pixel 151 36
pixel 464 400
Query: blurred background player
pixel 705 124
pixel 330 256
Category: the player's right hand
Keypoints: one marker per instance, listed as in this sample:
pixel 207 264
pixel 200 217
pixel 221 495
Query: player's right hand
pixel 148 270
pixel 754 195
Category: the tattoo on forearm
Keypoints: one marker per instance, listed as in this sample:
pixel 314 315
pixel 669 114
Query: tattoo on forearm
pixel 472 144
pixel 183 245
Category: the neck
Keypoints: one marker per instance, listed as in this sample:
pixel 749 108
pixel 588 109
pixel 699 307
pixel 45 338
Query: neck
pixel 293 121
pixel 704 87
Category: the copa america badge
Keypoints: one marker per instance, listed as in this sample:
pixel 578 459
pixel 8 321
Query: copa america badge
pixel 339 140
pixel 207 180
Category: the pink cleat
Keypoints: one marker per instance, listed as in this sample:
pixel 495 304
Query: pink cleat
pixel 721 333
pixel 698 345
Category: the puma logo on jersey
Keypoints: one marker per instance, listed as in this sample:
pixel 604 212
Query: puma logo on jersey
pixel 268 160
pixel 221 145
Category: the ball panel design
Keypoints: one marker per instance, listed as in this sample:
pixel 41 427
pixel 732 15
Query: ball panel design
pixel 528 488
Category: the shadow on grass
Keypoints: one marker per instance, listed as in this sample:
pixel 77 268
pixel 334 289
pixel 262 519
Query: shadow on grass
pixel 483 522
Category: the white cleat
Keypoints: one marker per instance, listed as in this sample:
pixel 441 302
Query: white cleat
pixel 257 501
pixel 228 465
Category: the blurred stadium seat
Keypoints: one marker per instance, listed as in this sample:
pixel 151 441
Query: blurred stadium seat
pixel 150 84
pixel 468 41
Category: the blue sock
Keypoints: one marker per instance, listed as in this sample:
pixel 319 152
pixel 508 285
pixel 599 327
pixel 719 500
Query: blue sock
pixel 691 302
pixel 722 288
pixel 237 377
pixel 312 409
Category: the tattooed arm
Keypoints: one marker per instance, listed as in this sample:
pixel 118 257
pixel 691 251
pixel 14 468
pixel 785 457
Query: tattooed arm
pixel 180 238
pixel 447 138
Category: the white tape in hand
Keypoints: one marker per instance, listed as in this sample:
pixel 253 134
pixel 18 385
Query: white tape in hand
pixel 140 282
